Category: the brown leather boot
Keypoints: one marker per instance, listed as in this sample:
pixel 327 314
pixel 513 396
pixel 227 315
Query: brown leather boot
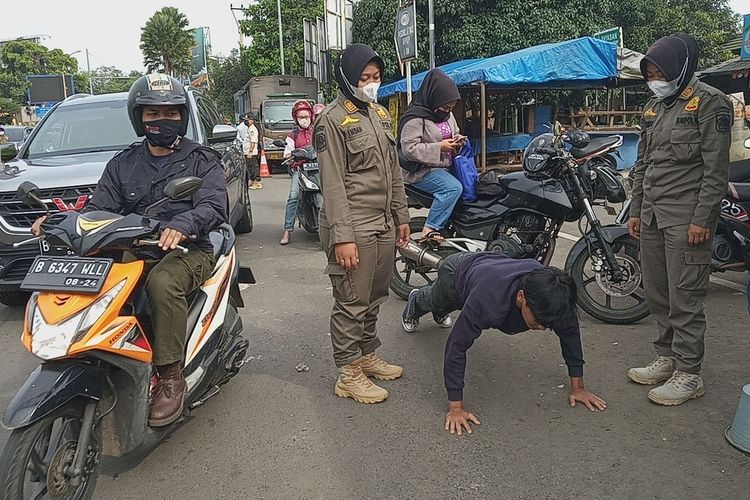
pixel 168 396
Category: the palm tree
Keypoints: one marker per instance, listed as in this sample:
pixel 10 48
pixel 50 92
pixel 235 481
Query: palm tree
pixel 166 43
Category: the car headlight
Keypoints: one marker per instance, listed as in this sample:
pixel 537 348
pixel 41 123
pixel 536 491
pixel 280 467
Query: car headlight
pixel 52 341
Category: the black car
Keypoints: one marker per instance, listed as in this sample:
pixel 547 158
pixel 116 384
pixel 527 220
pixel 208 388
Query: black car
pixel 65 156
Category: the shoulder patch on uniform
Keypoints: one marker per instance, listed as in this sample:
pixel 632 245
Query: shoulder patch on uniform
pixel 320 141
pixel 693 104
pixel 349 120
pixel 723 120
pixel 382 113
pixel 649 113
pixel 689 90
pixel 349 106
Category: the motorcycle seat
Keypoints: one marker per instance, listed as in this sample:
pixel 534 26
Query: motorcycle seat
pixel 222 240
pixel 740 190
pixel 739 171
pixel 596 145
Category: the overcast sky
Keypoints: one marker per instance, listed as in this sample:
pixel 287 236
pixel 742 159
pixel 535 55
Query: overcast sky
pixel 111 29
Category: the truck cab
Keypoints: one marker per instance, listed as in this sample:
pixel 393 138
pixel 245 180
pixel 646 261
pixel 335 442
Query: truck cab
pixel 270 99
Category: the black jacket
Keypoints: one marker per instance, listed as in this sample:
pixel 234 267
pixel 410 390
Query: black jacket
pixel 487 284
pixel 134 179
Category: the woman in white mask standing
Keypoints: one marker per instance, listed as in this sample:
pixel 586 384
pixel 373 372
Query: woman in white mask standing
pixel 680 179
pixel 364 214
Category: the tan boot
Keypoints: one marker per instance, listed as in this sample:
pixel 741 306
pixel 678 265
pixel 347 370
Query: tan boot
pixel 352 383
pixel 374 367
pixel 258 185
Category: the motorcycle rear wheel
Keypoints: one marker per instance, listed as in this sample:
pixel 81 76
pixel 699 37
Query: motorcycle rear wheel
pixel 596 294
pixel 35 458
pixel 407 274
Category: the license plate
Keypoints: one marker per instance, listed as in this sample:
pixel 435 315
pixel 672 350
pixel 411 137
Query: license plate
pixel 50 250
pixel 310 166
pixel 67 274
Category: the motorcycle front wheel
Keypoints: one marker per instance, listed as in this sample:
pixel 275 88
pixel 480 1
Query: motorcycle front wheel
pixel 409 275
pixel 620 303
pixel 36 458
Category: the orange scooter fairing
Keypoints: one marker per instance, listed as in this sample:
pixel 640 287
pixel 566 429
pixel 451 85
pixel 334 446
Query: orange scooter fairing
pixel 110 332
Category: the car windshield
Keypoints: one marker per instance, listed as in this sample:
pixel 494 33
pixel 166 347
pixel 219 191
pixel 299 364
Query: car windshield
pixel 84 128
pixel 278 112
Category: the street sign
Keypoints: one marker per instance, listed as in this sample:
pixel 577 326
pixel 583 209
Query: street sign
pixel 745 50
pixel 406 32
pixel 198 51
pixel 612 35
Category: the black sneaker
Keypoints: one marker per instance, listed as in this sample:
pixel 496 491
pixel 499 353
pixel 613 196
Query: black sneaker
pixel 444 321
pixel 409 321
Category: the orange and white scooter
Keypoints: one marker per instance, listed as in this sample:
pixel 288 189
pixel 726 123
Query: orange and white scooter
pixel 87 319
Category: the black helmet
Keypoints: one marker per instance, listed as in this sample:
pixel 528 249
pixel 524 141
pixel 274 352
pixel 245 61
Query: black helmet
pixel 577 138
pixel 538 165
pixel 156 89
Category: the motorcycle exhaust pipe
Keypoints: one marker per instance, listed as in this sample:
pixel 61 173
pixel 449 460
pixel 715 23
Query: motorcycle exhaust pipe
pixel 421 255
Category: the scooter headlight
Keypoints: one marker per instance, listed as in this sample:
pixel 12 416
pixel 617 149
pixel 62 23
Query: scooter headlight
pixel 52 341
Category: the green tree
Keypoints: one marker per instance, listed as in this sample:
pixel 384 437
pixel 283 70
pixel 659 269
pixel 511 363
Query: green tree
pixel 166 43
pixel 21 58
pixel 108 79
pixel 261 23
pixel 7 110
pixel 227 75
pixel 486 28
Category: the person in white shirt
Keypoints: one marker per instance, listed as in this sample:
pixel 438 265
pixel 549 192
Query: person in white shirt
pixel 250 149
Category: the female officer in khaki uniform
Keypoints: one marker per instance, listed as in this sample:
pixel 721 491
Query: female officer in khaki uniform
pixel 364 207
pixel 681 177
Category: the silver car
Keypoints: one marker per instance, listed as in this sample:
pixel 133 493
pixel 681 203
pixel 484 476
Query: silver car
pixel 65 156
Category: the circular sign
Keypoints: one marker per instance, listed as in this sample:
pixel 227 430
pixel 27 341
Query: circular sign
pixel 404 19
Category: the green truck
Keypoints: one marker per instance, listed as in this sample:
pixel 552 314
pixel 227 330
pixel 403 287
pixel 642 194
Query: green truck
pixel 270 99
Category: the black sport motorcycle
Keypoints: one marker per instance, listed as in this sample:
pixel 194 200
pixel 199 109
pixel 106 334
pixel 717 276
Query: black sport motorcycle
pixel 521 214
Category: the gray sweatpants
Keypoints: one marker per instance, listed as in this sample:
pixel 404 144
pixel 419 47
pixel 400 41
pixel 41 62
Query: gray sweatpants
pixel 441 297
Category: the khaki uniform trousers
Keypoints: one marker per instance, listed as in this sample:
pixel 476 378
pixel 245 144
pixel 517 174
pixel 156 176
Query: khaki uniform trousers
pixel 358 294
pixel 675 279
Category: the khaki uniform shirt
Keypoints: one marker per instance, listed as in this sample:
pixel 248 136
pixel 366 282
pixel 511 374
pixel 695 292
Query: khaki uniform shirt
pixel 360 176
pixel 683 158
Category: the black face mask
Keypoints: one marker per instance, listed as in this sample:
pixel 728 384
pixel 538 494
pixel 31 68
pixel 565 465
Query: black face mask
pixel 163 133
pixel 441 115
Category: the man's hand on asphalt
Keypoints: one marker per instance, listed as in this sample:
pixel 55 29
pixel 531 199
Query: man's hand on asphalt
pixel 404 232
pixel 36 228
pixel 458 418
pixel 170 238
pixel 579 394
pixel 347 256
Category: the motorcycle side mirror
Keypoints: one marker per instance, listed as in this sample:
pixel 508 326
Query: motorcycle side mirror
pixel 279 143
pixel 183 187
pixel 28 192
pixel 557 129
pixel 177 189
pixel 747 143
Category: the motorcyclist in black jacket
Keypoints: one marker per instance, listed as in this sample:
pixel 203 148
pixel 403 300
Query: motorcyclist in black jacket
pixel 158 108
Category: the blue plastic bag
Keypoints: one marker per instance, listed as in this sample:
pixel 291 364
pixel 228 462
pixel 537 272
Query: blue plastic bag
pixel 466 172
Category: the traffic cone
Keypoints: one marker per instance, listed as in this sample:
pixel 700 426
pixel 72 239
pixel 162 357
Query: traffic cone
pixel 264 172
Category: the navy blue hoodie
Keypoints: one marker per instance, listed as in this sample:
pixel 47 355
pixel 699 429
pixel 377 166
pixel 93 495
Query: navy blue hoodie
pixel 487 285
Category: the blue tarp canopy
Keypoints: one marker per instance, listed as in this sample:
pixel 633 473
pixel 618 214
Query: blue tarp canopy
pixel 583 62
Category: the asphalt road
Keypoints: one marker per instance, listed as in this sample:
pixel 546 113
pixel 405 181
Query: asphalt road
pixel 276 433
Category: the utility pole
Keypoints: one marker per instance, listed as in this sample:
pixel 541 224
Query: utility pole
pixel 281 38
pixel 241 8
pixel 88 69
pixel 431 21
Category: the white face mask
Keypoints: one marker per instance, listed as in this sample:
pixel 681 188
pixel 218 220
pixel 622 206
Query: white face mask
pixel 662 89
pixel 2 133
pixel 304 122
pixel 368 93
